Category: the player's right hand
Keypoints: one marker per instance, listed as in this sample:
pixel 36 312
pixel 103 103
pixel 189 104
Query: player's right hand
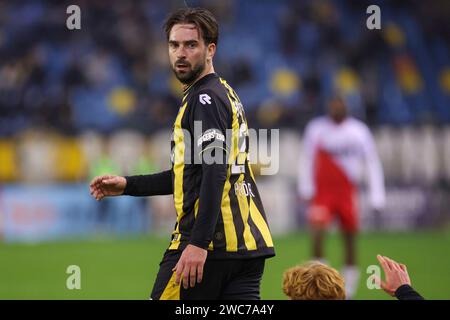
pixel 396 275
pixel 105 186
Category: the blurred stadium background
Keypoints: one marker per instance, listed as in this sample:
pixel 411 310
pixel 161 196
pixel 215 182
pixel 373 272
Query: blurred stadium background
pixel 75 104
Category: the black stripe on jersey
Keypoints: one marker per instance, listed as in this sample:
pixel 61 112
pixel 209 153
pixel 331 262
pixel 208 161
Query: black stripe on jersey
pixel 258 203
pixel 237 214
pixel 253 228
pixel 219 239
pixel 190 195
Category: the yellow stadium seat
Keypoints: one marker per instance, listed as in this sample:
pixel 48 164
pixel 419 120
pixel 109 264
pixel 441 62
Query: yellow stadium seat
pixel 8 162
pixel 285 82
pixel 394 35
pixel 122 100
pixel 346 81
pixel 444 80
pixel 70 161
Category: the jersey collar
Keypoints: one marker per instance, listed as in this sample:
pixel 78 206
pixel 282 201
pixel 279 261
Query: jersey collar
pixel 198 82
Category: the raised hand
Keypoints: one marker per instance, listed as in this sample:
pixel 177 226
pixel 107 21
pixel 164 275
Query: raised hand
pixel 396 275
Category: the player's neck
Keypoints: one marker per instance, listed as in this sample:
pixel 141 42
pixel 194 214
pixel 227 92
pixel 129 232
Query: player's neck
pixel 208 70
pixel 338 119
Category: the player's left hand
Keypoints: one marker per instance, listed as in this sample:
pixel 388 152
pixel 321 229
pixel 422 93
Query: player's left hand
pixel 190 265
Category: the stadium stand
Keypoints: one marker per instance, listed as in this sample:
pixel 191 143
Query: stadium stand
pixel 69 97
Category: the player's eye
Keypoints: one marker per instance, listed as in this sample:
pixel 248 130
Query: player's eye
pixel 192 45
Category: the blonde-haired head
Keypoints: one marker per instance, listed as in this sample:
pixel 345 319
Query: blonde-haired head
pixel 313 281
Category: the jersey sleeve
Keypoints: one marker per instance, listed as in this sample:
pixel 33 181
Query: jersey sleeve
pixel 209 124
pixel 149 185
pixel 306 185
pixel 406 292
pixel 374 171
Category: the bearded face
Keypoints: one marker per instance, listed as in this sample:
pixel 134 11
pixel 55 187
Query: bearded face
pixel 187 52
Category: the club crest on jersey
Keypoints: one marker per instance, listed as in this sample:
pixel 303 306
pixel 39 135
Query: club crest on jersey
pixel 204 99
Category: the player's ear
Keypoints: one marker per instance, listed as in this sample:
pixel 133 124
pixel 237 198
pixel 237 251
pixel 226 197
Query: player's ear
pixel 211 51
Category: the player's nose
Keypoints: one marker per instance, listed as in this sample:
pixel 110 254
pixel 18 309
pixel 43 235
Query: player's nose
pixel 180 53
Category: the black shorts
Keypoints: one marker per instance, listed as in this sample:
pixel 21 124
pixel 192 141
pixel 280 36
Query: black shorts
pixel 231 279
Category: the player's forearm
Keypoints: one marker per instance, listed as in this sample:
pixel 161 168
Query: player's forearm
pixel 149 185
pixel 210 199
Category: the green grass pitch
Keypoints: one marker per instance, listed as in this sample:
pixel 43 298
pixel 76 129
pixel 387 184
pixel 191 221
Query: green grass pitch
pixel 125 268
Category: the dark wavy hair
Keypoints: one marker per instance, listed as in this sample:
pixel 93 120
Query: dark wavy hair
pixel 203 19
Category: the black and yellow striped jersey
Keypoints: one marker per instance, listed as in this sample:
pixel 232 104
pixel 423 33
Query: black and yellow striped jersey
pixel 225 215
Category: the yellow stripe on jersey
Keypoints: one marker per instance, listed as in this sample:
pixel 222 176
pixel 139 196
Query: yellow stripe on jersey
pixel 249 240
pixel 257 217
pixel 234 149
pixel 171 291
pixel 260 223
pixel 186 92
pixel 234 95
pixel 196 207
pixel 230 89
pixel 227 216
pixel 178 169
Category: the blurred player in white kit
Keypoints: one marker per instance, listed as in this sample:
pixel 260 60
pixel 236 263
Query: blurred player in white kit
pixel 336 147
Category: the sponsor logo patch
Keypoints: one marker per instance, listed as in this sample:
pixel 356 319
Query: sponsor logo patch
pixel 209 135
pixel 204 99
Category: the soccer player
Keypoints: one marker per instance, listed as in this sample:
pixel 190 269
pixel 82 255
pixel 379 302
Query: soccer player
pixel 221 237
pixel 335 148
